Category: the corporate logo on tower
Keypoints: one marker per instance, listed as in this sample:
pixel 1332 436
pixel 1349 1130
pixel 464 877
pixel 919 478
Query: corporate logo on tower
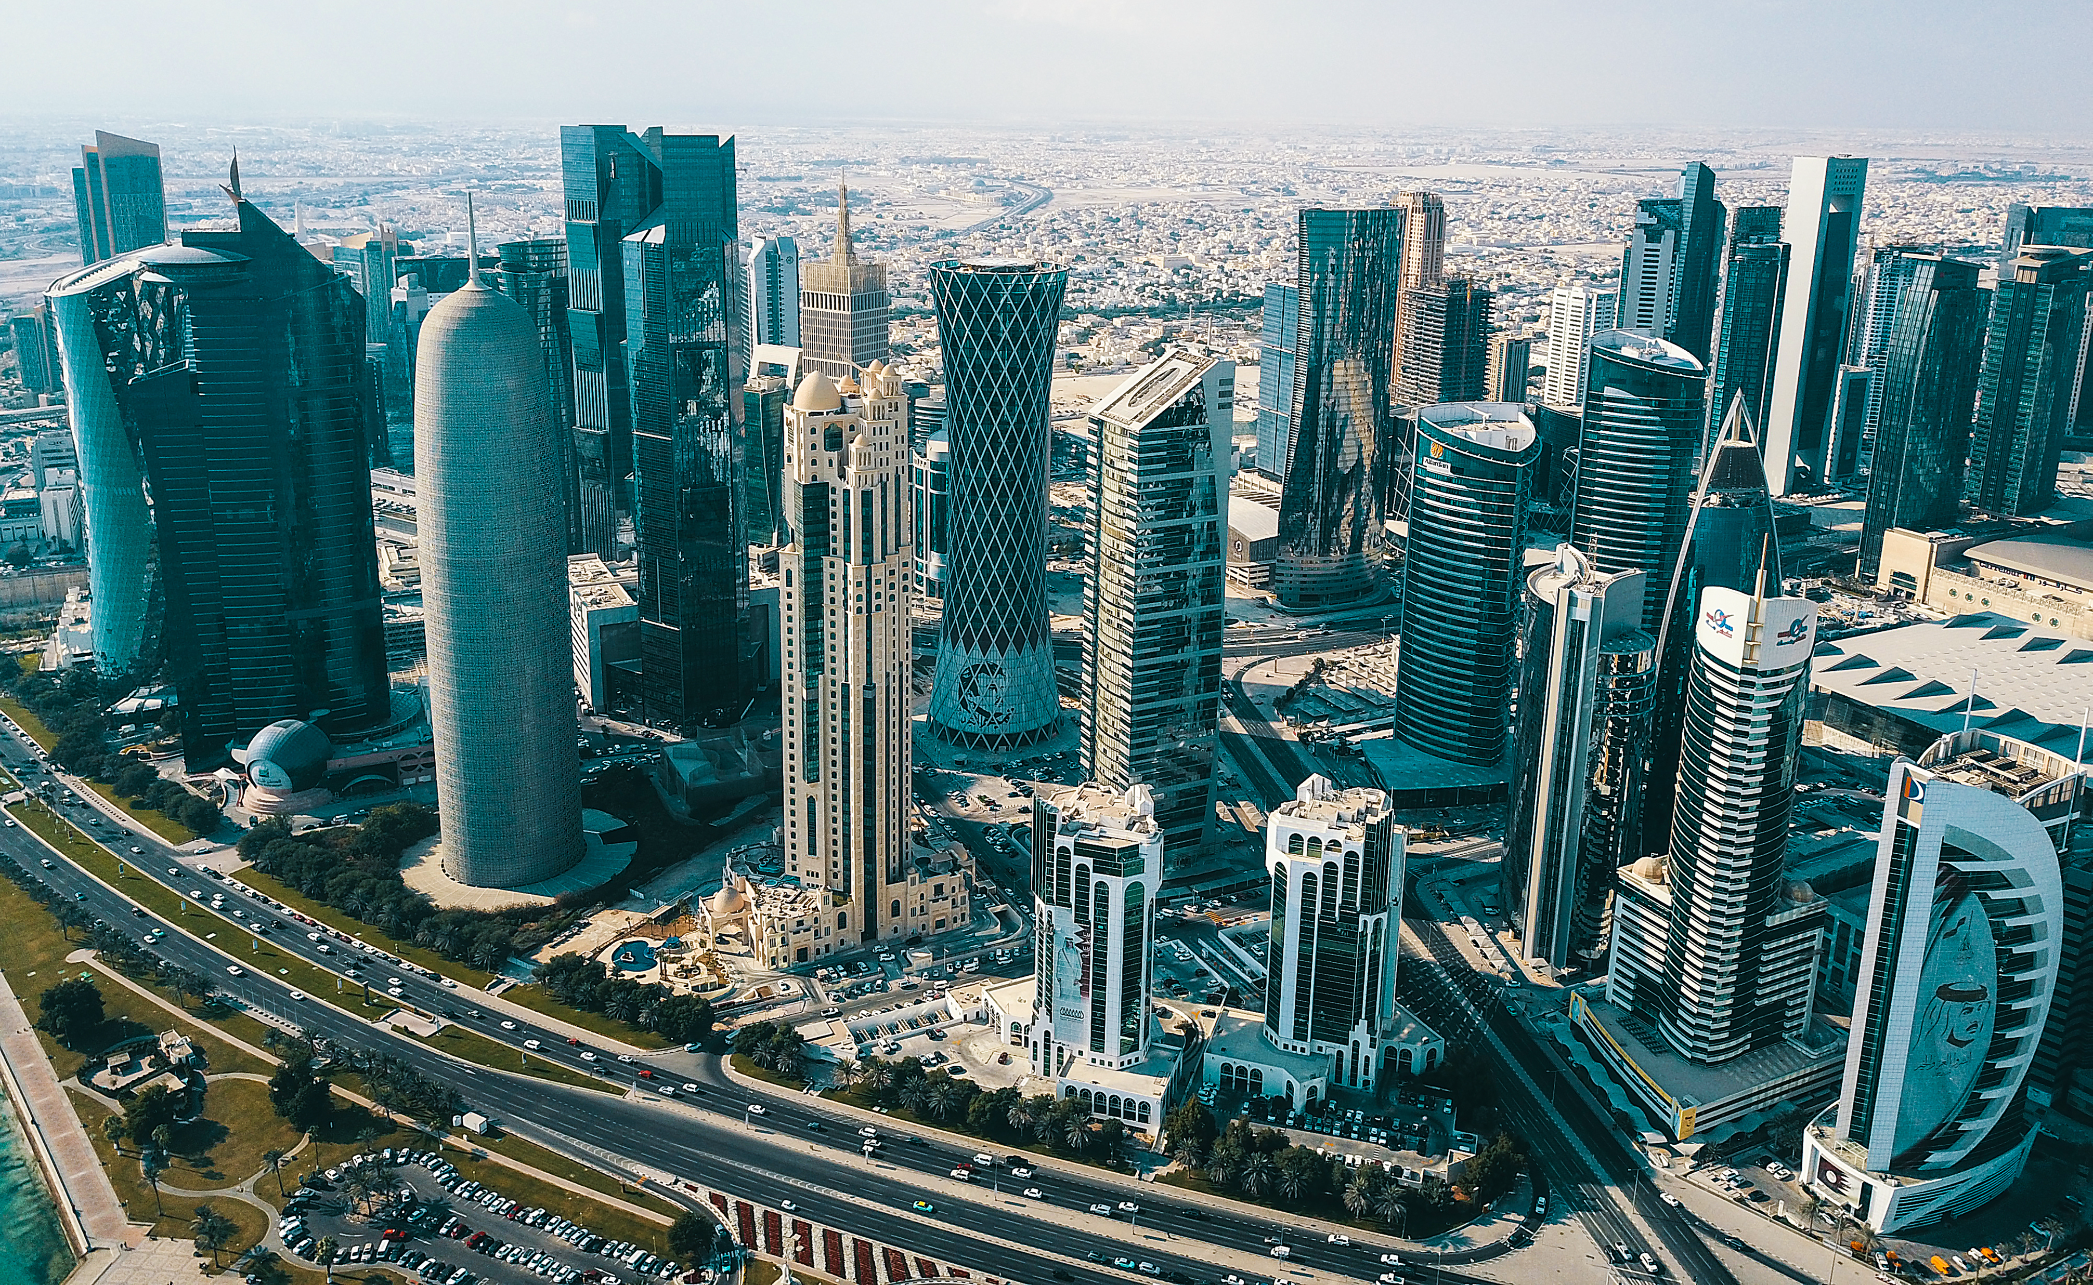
pixel 1721 622
pixel 1796 630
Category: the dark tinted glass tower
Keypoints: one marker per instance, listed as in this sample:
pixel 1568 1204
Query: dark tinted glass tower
pixel 1822 229
pixel 1642 418
pixel 118 197
pixel 1461 579
pixel 247 399
pixel 843 306
pixel 1330 498
pixel 1158 549
pixel 685 368
pixel 1275 380
pixel 1692 319
pixel 2032 357
pixel 997 319
pixel 2044 225
pixel 1446 343
pixel 1751 314
pixel 1729 532
pixel 1929 375
pixel 369 259
pixel 763 401
pixel 534 274
pixel 612 186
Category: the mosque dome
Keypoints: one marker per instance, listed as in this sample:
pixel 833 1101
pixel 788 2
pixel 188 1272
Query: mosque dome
pixel 817 393
pixel 726 902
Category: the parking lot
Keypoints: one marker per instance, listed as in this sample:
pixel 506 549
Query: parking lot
pixel 416 1214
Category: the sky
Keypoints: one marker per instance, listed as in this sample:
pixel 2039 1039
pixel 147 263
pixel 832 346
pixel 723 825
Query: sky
pixel 1911 65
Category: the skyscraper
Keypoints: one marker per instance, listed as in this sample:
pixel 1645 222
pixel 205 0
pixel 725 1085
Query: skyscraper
pixel 1446 337
pixel 1585 697
pixel 1728 536
pixel 997 318
pixel 848 567
pixel 368 259
pixel 1752 285
pixel 1275 379
pixel 1511 366
pixel 933 500
pixel 1097 862
pixel 1929 378
pixel 118 197
pixel 1575 314
pixel 1691 320
pixel 612 187
pixel 1740 953
pixel 1461 580
pixel 2044 225
pixel 843 305
pixel 1642 421
pixel 36 351
pixel 534 274
pixel 763 401
pixel 1153 601
pixel 1330 500
pixel 773 292
pixel 2032 356
pixel 494 591
pixel 685 370
pixel 233 365
pixel 1821 228
pixel 1965 928
pixel 1650 268
pixel 1417 338
pixel 1335 857
pixel 1889 269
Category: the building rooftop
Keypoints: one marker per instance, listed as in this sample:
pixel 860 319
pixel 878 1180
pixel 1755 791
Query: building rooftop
pixel 1153 387
pixel 2002 764
pixel 1252 520
pixel 1320 801
pixel 2030 684
pixel 2050 558
pixel 1500 425
pixel 597 584
pixel 1090 806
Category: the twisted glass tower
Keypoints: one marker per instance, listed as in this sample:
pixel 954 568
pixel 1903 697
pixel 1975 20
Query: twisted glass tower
pixel 1642 423
pixel 1461 579
pixel 997 317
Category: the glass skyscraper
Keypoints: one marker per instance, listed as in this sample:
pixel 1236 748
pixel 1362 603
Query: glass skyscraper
pixel 235 360
pixel 2032 356
pixel 1751 315
pixel 1822 229
pixel 1691 321
pixel 534 274
pixel 1344 353
pixel 1446 343
pixel 1642 419
pixel 1929 376
pixel 1462 579
pixel 118 197
pixel 997 318
pixel 685 369
pixel 1154 599
pixel 1275 379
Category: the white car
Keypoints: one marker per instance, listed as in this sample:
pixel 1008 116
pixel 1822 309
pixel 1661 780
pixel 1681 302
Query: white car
pixel 1020 1171
pixel 1668 1199
pixel 787 1206
pixel 1104 1209
pixel 964 1175
pixel 1034 1193
pixel 1391 1260
pixel 692 1088
pixel 587 1056
pixel 235 970
pixel 532 1045
pixel 1336 1239
pixel 298 995
pixel 508 1025
pixel 624 1057
pixel 755 1108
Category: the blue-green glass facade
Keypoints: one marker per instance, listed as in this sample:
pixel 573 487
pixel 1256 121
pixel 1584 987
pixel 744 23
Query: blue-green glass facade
pixel 2033 356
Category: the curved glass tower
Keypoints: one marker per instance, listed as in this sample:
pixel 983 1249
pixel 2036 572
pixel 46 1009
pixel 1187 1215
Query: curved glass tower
pixel 1642 428
pixel 1344 354
pixel 1461 579
pixel 92 310
pixel 487 463
pixel 997 317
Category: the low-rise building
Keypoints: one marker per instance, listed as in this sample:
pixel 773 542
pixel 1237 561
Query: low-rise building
pixel 606 619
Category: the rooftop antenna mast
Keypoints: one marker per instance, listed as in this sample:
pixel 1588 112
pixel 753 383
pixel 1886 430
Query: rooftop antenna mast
pixel 472 244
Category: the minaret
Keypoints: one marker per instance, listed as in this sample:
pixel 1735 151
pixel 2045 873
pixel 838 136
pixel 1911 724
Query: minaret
pixel 494 591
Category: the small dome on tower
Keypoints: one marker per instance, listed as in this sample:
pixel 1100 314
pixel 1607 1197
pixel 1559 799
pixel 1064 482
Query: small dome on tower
pixel 816 393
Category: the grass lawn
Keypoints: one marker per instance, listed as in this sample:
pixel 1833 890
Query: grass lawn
pixel 761 1271
pixel 224 1145
pixel 746 1066
pixel 174 1212
pixel 33 952
pixel 474 1047
pixel 536 999
pixel 574 1171
pixel 604 1220
pixel 29 722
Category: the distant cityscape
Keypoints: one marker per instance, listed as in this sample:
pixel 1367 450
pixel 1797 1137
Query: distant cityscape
pixel 1477 709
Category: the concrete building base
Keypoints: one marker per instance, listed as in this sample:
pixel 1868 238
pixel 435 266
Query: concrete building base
pixel 609 848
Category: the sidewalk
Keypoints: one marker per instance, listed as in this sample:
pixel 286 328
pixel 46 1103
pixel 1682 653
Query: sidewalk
pixel 87 1202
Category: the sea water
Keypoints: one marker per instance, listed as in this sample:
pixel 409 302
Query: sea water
pixel 35 1251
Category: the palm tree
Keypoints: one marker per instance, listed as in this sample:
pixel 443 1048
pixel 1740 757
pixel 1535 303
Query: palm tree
pixel 211 1230
pixel 114 1130
pixel 154 1166
pixel 1357 1200
pixel 1257 1175
pixel 943 1099
pixel 1292 1184
pixel 1390 1207
pixel 324 1251
pixel 1021 1118
pixel 274 1158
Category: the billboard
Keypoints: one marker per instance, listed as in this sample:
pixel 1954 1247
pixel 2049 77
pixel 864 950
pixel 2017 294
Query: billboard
pixel 1953 1013
pixel 1786 628
pixel 1071 978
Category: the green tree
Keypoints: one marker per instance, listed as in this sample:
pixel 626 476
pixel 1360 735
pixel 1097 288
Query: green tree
pixel 323 1254
pixel 690 1236
pixel 1191 1124
pixel 273 1159
pixel 70 1011
pixel 150 1109
pixel 114 1130
pixel 211 1230
pixel 154 1166
pixel 312 1107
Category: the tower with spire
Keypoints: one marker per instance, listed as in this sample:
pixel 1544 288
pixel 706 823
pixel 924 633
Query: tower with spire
pixel 843 305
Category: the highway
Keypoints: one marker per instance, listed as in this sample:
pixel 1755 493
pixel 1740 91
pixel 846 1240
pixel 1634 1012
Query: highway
pixel 699 1138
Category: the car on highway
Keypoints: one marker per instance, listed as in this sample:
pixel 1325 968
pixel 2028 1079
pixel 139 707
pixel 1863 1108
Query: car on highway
pixel 1129 1207
pixel 1336 1238
pixel 755 1108
pixel 298 995
pixel 137 851
pixel 45 863
pixel 1391 1260
pixel 235 970
pixel 924 1207
pixel 532 1045
pixel 787 1206
pixel 1101 1208
pixel 1034 1193
pixel 963 1173
pixel 1668 1199
pixel 1020 1171
pixel 508 1025
pixel 1649 1264
pixel 688 1087
pixel 587 1056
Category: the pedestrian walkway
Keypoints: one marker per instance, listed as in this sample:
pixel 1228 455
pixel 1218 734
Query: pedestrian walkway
pixel 87 1202
pixel 154 1261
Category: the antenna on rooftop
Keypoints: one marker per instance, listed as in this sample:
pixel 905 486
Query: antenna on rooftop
pixel 472 244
